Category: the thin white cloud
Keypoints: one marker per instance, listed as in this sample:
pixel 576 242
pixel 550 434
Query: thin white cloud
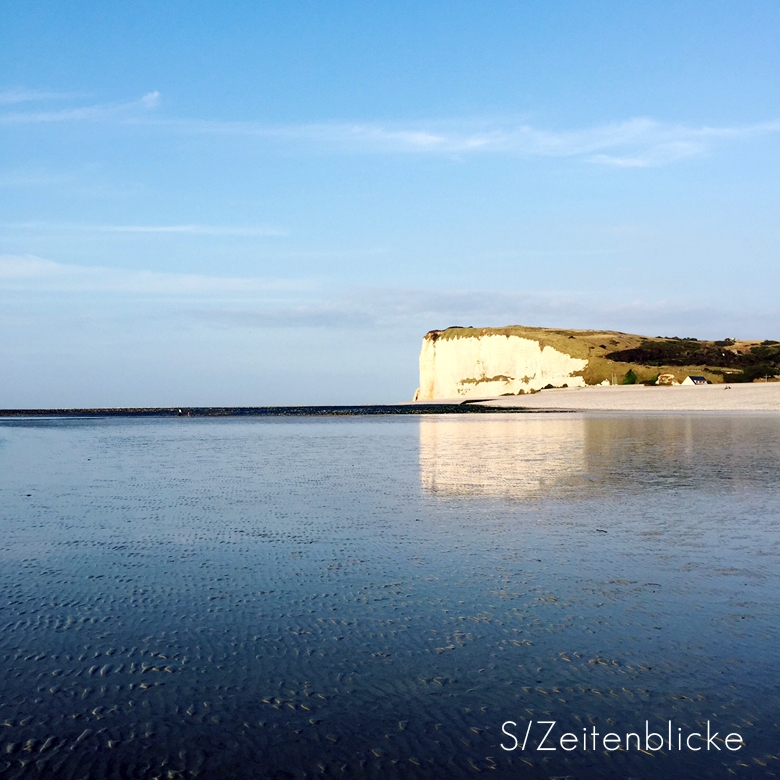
pixel 39 178
pixel 310 315
pixel 404 310
pixel 635 143
pixel 22 95
pixel 257 303
pixel 398 308
pixel 327 254
pixel 96 113
pixel 35 274
pixel 191 230
pixel 150 100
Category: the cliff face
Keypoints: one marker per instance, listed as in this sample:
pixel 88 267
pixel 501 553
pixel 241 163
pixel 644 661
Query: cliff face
pixel 483 362
pixel 480 364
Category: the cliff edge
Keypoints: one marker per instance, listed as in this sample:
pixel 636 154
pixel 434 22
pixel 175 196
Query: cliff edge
pixel 471 363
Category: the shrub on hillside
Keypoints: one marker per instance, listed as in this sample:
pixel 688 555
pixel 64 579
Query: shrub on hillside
pixel 630 378
pixel 751 373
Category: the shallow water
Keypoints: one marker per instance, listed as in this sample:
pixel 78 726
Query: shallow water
pixel 352 597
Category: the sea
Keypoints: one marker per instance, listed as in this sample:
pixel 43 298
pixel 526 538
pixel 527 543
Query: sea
pixel 390 596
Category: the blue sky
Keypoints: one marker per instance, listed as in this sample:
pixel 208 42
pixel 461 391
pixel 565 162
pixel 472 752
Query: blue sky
pixel 271 203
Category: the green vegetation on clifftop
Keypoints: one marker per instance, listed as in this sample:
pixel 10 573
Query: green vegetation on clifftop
pixel 613 355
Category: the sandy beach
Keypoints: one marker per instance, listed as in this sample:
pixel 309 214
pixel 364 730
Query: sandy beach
pixel 639 398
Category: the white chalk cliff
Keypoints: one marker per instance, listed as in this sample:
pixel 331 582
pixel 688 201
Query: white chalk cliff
pixel 482 364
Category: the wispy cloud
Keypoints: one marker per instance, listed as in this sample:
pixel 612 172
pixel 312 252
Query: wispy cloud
pixel 33 178
pixel 191 230
pixel 23 95
pixel 395 309
pixel 251 303
pixel 634 143
pixel 639 142
pixel 93 113
pixel 35 274
pixel 312 315
pixel 405 311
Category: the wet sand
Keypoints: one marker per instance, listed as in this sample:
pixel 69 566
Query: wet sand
pixel 639 398
pixel 231 598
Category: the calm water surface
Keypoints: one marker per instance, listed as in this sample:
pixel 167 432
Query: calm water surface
pixel 373 598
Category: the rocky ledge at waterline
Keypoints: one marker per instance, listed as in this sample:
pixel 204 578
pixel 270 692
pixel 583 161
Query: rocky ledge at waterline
pixel 487 362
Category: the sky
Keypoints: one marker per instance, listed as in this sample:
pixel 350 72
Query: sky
pixel 256 203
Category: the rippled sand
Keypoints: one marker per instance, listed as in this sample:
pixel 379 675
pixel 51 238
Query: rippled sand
pixel 375 597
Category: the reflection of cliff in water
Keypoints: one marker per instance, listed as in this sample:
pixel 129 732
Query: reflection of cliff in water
pixel 583 456
pixel 518 455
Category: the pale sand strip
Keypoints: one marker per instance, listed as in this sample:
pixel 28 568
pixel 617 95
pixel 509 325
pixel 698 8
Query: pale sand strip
pixel 757 397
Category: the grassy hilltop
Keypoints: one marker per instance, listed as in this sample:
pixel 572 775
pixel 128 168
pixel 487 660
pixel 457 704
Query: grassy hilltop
pixel 614 354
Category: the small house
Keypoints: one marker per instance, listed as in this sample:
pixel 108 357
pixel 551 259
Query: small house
pixel 695 380
pixel 666 379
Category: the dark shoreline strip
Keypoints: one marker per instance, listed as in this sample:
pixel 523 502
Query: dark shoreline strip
pixel 270 411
